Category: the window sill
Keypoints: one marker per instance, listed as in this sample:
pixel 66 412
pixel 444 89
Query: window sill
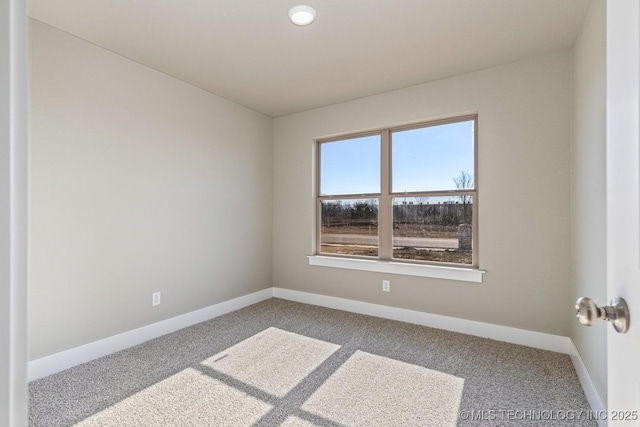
pixel 407 269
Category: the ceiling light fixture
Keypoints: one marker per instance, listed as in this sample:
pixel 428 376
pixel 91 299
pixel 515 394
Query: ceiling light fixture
pixel 302 14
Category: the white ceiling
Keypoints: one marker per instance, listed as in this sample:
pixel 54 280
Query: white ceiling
pixel 248 51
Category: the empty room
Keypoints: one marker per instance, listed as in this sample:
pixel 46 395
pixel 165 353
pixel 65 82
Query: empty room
pixel 336 213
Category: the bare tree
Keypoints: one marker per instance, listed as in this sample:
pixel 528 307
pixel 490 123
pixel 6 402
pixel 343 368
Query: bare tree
pixel 463 181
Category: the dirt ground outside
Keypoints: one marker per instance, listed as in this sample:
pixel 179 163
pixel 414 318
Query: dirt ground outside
pixel 447 255
pixel 432 238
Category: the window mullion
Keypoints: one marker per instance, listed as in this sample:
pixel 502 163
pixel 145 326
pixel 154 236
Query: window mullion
pixel 385 250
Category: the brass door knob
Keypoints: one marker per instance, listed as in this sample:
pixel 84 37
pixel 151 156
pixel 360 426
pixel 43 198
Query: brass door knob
pixel 588 313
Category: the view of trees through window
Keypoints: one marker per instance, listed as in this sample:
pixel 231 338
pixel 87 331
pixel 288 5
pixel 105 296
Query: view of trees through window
pixel 349 227
pixel 424 228
pixel 432 228
pixel 424 212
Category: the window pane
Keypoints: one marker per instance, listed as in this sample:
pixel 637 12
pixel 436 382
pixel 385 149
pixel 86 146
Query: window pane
pixel 349 227
pixel 433 228
pixel 433 158
pixel 350 166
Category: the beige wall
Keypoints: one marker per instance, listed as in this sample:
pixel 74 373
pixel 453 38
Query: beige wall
pixel 139 183
pixel 524 198
pixel 588 238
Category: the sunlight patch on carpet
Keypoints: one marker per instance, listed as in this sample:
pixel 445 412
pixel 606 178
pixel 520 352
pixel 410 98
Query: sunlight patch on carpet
pixel 374 390
pixel 186 398
pixel 275 361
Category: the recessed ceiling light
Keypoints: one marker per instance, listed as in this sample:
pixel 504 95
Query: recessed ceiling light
pixel 302 14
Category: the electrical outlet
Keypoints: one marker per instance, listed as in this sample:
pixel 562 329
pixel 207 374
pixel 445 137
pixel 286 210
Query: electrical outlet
pixel 155 298
pixel 386 286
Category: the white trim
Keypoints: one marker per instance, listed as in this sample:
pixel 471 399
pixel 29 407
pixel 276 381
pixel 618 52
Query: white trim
pixel 590 390
pixel 407 269
pixel 57 362
pixel 534 339
pixel 14 192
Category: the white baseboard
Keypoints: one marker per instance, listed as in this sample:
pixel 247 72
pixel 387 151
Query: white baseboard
pixel 590 390
pixel 539 340
pixel 57 362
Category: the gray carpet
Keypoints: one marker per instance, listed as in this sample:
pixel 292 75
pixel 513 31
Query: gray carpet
pixel 280 363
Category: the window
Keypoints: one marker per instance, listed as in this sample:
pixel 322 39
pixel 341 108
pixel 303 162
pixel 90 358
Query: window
pixel 404 194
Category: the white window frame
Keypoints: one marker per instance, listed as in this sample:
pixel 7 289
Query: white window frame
pixel 385 261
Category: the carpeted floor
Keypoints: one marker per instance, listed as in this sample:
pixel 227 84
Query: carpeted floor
pixel 280 363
